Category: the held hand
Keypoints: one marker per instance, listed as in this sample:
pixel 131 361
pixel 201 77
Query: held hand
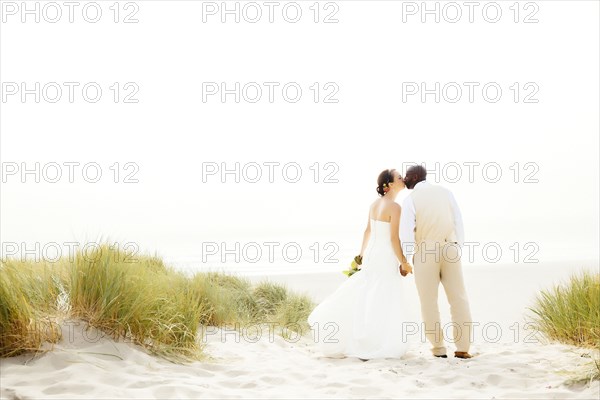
pixel 405 269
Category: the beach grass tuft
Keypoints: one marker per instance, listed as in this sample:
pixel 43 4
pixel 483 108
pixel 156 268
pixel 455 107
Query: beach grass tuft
pixel 29 294
pixel 136 297
pixel 570 313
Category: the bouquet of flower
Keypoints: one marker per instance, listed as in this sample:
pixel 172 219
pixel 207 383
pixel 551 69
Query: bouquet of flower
pixel 353 266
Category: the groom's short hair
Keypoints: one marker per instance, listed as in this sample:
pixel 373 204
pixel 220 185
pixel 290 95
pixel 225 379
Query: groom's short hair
pixel 418 171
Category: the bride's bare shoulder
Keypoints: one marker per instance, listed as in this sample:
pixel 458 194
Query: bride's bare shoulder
pixel 376 202
pixel 384 206
pixel 375 207
pixel 395 206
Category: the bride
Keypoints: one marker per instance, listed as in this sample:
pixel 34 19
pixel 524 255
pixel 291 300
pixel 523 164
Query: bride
pixel 364 316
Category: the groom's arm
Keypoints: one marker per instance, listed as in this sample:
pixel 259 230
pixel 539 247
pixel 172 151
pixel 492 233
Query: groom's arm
pixel 407 228
pixel 458 221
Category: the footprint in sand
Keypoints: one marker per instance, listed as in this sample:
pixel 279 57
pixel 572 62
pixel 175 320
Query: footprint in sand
pixel 274 380
pixel 61 388
pixel 419 384
pixel 22 383
pixel 362 381
pixel 447 380
pixel 140 384
pixel 494 379
pixel 214 367
pixel 203 374
pixel 235 373
pixel 364 390
pixel 177 391
pixel 478 385
pixel 335 385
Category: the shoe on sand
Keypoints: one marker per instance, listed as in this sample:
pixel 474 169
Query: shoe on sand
pixel 462 354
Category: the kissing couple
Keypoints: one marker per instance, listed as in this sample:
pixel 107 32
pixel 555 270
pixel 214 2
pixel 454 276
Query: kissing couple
pixel 368 312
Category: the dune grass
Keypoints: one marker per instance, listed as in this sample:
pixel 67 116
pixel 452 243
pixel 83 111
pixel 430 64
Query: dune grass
pixel 232 301
pixel 30 296
pixel 228 298
pixel 570 313
pixel 137 298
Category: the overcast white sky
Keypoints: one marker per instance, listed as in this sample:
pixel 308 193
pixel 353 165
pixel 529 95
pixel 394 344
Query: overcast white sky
pixel 370 58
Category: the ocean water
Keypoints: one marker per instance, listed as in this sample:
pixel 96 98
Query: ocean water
pixel 309 255
pixel 333 251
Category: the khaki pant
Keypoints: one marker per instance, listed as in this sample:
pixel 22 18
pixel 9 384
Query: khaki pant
pixel 435 263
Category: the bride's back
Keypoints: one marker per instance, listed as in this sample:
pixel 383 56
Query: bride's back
pixel 379 255
pixel 381 209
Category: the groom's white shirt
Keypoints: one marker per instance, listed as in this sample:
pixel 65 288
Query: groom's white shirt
pixel 408 222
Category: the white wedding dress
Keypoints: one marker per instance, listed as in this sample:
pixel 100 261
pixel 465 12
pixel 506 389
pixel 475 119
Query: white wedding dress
pixel 366 314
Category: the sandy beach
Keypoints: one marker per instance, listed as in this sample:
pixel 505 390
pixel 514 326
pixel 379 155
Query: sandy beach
pixel 86 364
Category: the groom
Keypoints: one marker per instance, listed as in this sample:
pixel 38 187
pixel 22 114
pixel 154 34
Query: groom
pixel 431 230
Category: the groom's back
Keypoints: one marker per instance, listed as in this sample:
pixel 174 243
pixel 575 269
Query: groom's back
pixel 434 215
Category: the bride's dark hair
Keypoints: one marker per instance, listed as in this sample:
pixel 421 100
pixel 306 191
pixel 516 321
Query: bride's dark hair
pixel 385 178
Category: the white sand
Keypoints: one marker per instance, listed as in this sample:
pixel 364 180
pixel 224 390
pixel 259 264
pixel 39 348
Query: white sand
pixel 278 368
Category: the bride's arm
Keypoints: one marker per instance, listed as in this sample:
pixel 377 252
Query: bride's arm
pixel 366 237
pixel 395 228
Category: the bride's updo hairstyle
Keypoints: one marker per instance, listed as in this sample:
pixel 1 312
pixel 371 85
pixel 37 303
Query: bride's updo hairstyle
pixel 383 181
